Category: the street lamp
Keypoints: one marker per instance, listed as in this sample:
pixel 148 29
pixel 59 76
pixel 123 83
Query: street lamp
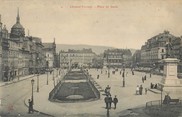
pixel 161 94
pixel 47 72
pixel 123 78
pixel 54 78
pixel 37 78
pixel 57 72
pixel 108 114
pixel 32 82
pixel 38 82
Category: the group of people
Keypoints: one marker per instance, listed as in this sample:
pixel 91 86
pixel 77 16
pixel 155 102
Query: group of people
pixel 139 90
pixel 144 78
pixel 108 99
pixel 153 86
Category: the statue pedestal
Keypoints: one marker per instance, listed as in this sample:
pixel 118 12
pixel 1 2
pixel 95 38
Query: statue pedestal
pixel 170 82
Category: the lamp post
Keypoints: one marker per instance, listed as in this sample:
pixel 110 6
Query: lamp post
pixel 123 78
pixel 57 72
pixel 38 82
pixel 108 114
pixel 47 72
pixel 161 94
pixel 54 78
pixel 32 82
pixel 47 77
pixel 37 78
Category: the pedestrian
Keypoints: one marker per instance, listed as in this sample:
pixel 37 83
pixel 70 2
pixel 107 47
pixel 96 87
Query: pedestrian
pixel 151 85
pixel 155 86
pixel 115 101
pixel 140 89
pixel 97 76
pixel 150 75
pixel 133 72
pixel 145 77
pixel 120 72
pixel 142 79
pixel 146 91
pixel 106 99
pixel 137 90
pixel 107 90
pixel 108 74
pixel 110 101
pixel 30 107
pixel 29 103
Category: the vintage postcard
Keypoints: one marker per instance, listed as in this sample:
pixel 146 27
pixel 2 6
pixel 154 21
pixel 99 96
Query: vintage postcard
pixel 90 58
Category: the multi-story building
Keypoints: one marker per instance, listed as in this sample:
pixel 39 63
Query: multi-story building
pixel 57 60
pixel 5 53
pixel 0 58
pixel 0 49
pixel 136 58
pixel 50 54
pixel 76 58
pixel 117 58
pixel 17 35
pixel 155 49
pixel 177 51
pixel 98 61
pixel 20 55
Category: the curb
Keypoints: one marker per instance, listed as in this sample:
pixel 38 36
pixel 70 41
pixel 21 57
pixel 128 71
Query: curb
pixel 156 92
pixel 16 81
pixel 37 110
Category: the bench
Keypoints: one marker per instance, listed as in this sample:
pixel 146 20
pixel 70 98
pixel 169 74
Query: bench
pixel 174 101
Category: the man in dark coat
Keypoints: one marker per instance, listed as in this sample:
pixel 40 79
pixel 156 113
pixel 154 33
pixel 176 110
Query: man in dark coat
pixel 140 89
pixel 106 99
pixel 30 107
pixel 110 101
pixel 115 101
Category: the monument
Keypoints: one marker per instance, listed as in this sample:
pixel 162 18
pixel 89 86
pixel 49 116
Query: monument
pixel 170 82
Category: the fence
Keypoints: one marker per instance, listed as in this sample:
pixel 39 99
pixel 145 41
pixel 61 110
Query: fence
pixel 55 90
pixel 157 103
pixel 94 89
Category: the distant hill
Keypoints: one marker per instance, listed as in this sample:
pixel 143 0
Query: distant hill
pixel 96 49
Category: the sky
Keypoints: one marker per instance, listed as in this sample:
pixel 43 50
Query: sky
pixel 115 23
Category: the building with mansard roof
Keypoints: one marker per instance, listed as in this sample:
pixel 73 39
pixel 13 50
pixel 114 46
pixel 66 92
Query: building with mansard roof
pixel 0 50
pixel 76 58
pixel 155 49
pixel 117 58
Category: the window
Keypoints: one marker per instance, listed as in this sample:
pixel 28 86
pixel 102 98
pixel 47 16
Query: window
pixel 162 56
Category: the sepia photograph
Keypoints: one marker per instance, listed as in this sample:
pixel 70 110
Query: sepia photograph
pixel 90 58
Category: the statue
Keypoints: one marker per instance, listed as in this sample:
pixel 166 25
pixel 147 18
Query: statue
pixel 169 49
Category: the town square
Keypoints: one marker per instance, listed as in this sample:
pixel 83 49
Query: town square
pixel 90 58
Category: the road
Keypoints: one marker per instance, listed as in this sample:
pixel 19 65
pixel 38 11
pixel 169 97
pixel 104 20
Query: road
pixel 13 96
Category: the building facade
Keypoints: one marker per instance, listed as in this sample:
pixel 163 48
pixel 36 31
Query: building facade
pixel 117 58
pixel 177 51
pixel 50 54
pixel 136 58
pixel 20 55
pixel 76 58
pixel 155 49
pixel 0 49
